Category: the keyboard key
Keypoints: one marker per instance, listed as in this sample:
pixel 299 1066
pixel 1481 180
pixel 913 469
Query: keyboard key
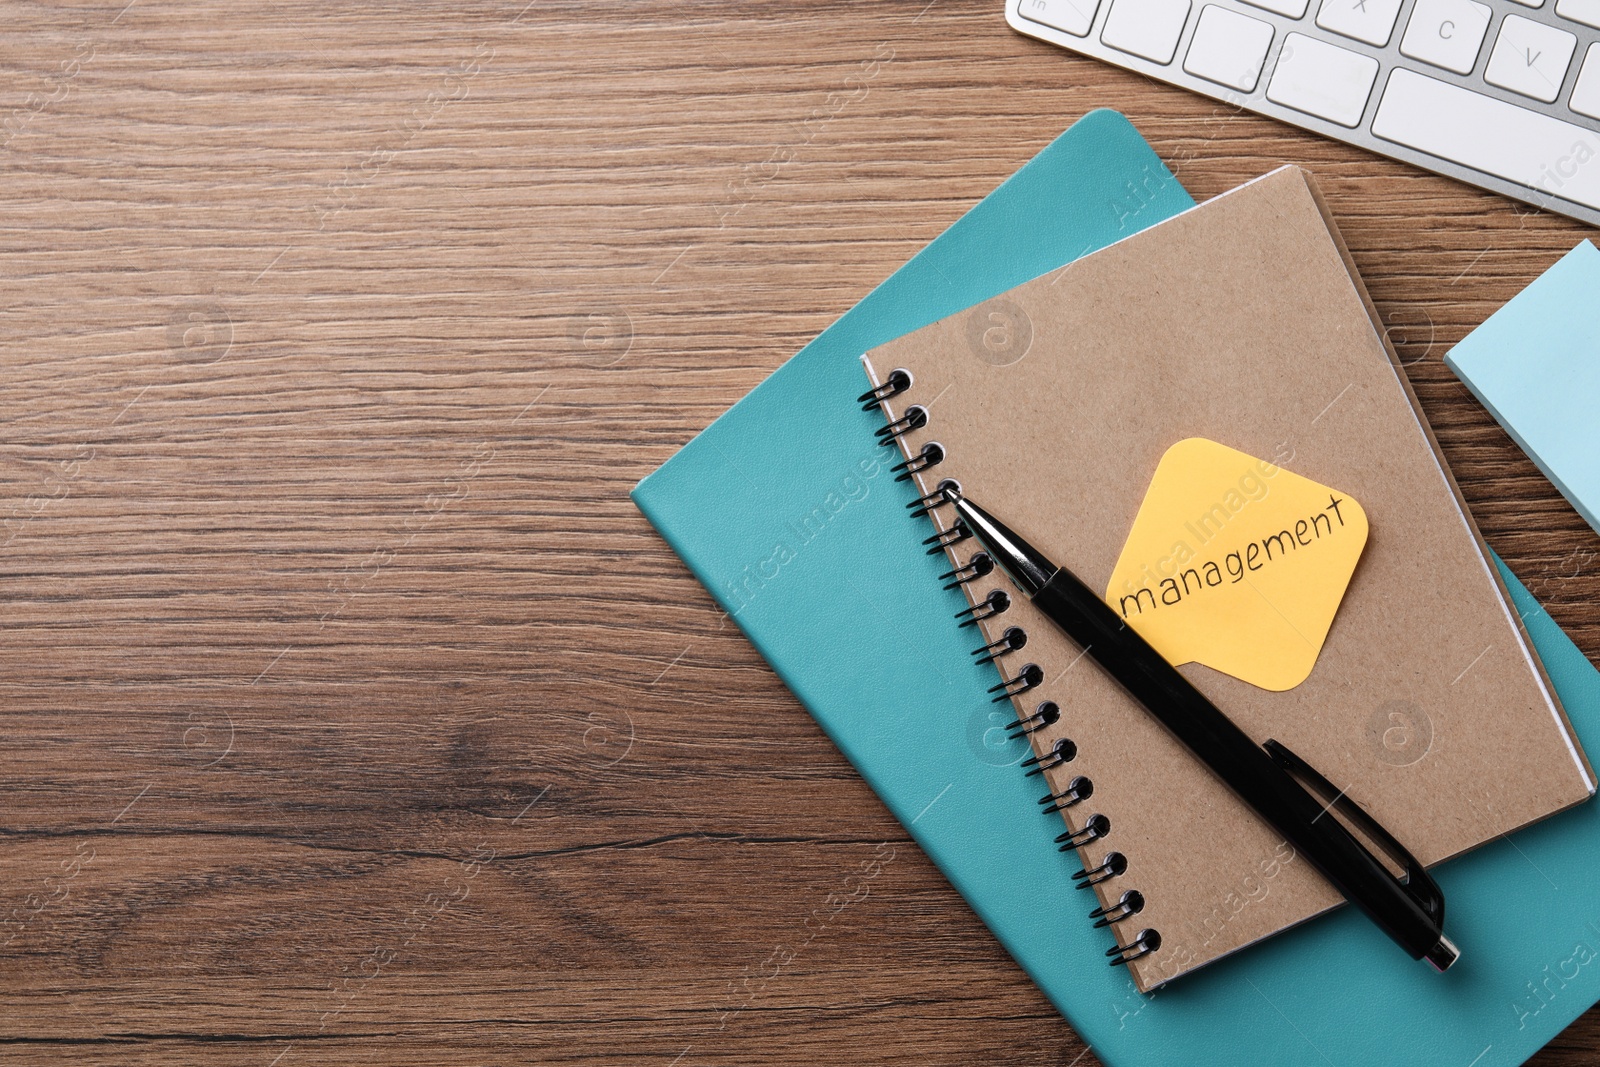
pixel 1293 8
pixel 1069 16
pixel 1586 94
pixel 1228 48
pixel 1446 33
pixel 1371 21
pixel 1551 156
pixel 1148 28
pixel 1530 58
pixel 1322 79
pixel 1530 3
pixel 1584 11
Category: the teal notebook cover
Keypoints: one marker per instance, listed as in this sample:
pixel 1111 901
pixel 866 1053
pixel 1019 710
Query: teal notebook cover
pixel 1535 364
pixel 785 511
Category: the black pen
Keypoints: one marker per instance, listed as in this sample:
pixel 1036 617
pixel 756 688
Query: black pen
pixel 1267 777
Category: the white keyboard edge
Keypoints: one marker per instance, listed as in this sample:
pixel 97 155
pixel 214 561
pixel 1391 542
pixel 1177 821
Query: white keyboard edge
pixel 1361 136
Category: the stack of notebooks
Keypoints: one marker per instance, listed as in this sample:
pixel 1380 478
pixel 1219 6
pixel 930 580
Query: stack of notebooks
pixel 1240 321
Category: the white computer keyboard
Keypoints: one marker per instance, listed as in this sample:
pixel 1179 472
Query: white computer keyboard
pixel 1501 93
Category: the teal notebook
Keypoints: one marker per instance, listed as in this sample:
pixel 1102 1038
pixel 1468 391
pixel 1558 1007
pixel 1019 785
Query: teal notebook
pixel 1535 364
pixel 792 521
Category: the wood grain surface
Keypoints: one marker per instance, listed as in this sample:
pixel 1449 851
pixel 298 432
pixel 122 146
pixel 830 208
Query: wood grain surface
pixel 351 711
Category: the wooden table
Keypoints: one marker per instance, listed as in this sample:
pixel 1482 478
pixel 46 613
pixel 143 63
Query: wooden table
pixel 352 713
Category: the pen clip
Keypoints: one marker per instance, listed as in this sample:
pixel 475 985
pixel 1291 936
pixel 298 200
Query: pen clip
pixel 1418 883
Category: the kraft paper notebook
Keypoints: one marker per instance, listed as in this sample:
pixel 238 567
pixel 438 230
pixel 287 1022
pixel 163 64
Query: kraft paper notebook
pixel 1240 322
pixel 1333 991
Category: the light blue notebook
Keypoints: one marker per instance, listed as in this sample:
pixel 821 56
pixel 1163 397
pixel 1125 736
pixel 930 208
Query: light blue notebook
pixel 1536 366
pixel 790 518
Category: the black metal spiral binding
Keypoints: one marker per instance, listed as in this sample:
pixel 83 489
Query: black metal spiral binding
pixel 1080 788
pixel 987 608
pixel 915 418
pixel 899 381
pixel 979 565
pixel 1063 751
pixel 1048 713
pixel 1097 827
pixel 1132 903
pixel 945 538
pixel 941 495
pixel 1031 676
pixel 1114 864
pixel 1147 942
pixel 931 455
pixel 1012 640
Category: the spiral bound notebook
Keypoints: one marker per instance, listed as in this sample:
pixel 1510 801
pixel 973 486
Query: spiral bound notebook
pixel 1332 991
pixel 1241 321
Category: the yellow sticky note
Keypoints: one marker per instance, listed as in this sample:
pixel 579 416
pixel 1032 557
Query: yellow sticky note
pixel 1237 563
